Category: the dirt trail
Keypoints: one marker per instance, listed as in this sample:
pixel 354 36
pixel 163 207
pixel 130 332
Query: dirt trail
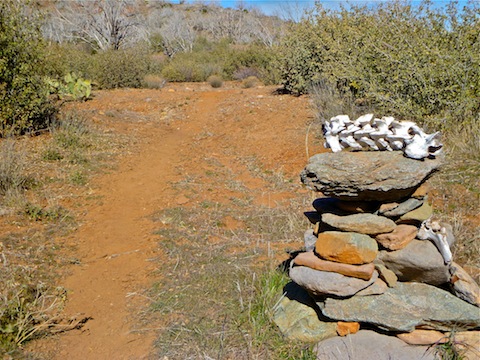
pixel 175 129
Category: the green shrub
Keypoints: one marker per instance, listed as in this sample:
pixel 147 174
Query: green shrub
pixel 249 82
pixel 418 62
pixel 123 68
pixel 215 81
pixel 153 82
pixel 24 102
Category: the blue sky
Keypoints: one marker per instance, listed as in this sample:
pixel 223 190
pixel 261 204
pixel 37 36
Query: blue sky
pixel 277 6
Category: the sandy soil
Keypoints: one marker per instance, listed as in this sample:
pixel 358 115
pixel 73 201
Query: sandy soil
pixel 178 130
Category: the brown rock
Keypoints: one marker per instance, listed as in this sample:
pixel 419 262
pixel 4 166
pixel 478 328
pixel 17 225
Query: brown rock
pixel 463 285
pixel 418 215
pixel 387 207
pixel 347 328
pixel 423 337
pixel 399 238
pixel 346 247
pixel 386 275
pixel 422 191
pixel 312 261
pixel 368 224
pixel 469 344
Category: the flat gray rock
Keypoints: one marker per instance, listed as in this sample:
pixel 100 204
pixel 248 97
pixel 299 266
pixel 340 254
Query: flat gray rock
pixel 320 283
pixel 384 176
pixel 419 261
pixel 404 207
pixel 298 317
pixel 369 345
pixel 405 307
pixel 368 224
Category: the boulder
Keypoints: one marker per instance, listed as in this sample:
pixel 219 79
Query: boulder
pixel 312 261
pixel 298 317
pixel 367 175
pixel 399 238
pixel 346 247
pixel 368 224
pixel 320 283
pixel 404 308
pixel 419 261
pixel 369 345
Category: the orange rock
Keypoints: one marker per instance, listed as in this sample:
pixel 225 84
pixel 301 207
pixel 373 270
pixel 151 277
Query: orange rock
pixel 312 261
pixel 347 328
pixel 346 247
pixel 398 238
pixel 423 337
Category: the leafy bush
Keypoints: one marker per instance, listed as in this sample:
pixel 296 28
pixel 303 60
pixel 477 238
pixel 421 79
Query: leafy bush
pixel 249 82
pixel 419 62
pixel 215 81
pixel 24 102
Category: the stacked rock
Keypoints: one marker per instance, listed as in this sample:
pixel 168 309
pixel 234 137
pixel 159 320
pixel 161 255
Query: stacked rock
pixel 375 258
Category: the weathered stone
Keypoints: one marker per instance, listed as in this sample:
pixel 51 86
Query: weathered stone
pixel 386 275
pixel 346 247
pixel 386 207
pixel 422 191
pixel 347 328
pixel 377 288
pixel 312 261
pixel 418 215
pixel 403 208
pixel 367 175
pixel 321 283
pixel 310 240
pixel 298 317
pixel 423 337
pixel 463 285
pixel 368 224
pixel 369 345
pixel 419 261
pixel 400 237
pixel 404 308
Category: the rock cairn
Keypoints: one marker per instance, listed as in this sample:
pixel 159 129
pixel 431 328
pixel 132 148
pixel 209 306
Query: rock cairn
pixel 375 260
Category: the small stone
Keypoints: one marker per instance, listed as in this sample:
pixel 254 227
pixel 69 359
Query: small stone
pixel 320 283
pixel 423 337
pixel 181 200
pixel 377 288
pixel 422 191
pixel 386 275
pixel 399 238
pixel 299 319
pixel 419 261
pixel 369 345
pixel 368 224
pixel 346 247
pixel 418 215
pixel 463 285
pixel 386 207
pixel 347 328
pixel 309 239
pixel 404 207
pixel 312 261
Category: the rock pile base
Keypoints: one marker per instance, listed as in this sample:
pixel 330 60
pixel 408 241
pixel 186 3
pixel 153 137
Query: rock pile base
pixel 366 264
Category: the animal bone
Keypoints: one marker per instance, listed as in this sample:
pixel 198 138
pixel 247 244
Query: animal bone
pixel 350 142
pixel 364 120
pixel 438 235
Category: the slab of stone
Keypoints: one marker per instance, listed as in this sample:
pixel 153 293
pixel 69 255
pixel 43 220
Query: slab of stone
pixel 377 288
pixel 403 208
pixel 382 176
pixel 320 283
pixel 369 345
pixel 312 261
pixel 386 275
pixel 368 224
pixel 347 328
pixel 418 215
pixel 387 206
pixel 346 247
pixel 419 261
pixel 399 238
pixel 406 307
pixel 463 285
pixel 298 318
pixel 423 337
